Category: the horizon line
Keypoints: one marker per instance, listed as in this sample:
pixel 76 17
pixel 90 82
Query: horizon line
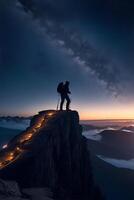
pixel 106 119
pixel 94 119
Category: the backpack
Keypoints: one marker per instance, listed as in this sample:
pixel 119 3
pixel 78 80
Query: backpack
pixel 60 87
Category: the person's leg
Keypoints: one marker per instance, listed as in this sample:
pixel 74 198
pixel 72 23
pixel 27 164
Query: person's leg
pixel 62 102
pixel 68 102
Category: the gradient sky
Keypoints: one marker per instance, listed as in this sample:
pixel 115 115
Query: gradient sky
pixel 89 42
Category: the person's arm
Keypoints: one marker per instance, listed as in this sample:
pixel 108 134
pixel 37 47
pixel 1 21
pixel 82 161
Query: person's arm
pixel 68 91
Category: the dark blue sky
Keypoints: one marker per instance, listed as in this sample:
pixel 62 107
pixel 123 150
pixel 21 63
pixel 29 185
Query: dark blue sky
pixel 89 43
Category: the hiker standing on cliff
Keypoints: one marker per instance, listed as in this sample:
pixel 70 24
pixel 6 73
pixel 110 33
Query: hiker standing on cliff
pixel 63 90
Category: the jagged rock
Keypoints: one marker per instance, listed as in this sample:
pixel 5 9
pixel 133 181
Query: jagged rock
pixel 56 157
pixel 39 193
pixel 9 188
pixel 2 197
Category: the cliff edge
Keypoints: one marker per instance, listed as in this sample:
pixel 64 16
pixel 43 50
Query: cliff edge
pixel 51 153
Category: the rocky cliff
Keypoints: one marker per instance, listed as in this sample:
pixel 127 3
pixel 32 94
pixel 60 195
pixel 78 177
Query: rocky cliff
pixel 51 153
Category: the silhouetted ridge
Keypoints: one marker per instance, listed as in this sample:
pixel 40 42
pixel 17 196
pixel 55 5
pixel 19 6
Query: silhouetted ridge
pixel 55 155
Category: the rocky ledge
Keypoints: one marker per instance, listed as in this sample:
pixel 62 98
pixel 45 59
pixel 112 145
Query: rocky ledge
pixel 51 153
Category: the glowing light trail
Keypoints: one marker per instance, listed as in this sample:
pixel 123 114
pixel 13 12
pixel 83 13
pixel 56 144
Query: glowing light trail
pixel 10 156
pixel 4 146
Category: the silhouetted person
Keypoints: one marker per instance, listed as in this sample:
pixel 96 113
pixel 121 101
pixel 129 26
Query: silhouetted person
pixel 63 89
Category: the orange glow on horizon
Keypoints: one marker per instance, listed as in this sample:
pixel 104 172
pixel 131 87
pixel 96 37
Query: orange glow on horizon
pixel 107 114
pixel 101 114
pixel 102 111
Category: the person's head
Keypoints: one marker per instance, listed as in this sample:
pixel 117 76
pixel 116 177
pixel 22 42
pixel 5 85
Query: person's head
pixel 67 83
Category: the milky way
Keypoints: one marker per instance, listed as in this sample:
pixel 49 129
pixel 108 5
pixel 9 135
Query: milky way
pixel 80 48
pixel 50 41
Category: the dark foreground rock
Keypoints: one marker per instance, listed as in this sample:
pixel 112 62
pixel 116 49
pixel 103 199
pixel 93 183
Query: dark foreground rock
pixel 9 190
pixel 56 156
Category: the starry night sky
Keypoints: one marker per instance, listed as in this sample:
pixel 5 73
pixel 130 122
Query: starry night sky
pixel 88 42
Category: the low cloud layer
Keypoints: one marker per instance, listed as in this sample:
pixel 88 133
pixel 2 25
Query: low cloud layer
pixel 12 124
pixel 128 164
pixel 93 135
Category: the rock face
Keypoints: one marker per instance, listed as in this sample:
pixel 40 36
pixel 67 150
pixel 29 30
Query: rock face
pixel 9 190
pixel 55 157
